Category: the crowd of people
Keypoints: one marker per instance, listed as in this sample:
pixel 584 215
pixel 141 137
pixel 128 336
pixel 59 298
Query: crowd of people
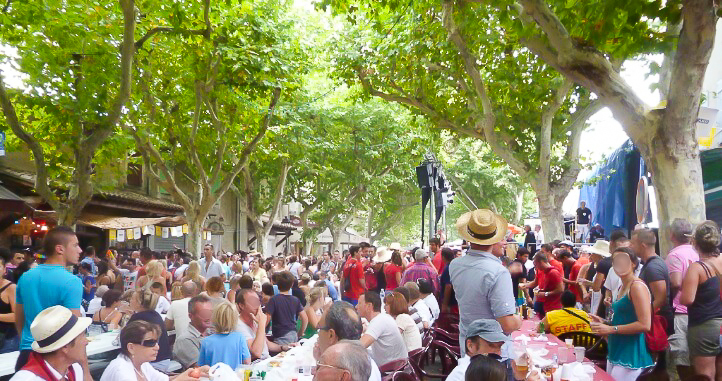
pixel 380 302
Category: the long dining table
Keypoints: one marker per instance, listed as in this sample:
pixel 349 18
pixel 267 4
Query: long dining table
pixel 554 345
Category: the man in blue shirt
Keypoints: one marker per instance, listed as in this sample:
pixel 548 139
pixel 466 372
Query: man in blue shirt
pixel 47 285
pixel 332 292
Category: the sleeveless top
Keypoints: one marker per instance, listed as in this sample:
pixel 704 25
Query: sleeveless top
pixel 8 329
pixel 707 303
pixel 629 351
pixel 591 271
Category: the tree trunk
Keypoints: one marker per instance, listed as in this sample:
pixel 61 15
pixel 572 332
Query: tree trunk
pixel 195 236
pixel 261 240
pixel 519 206
pixel 677 179
pixel 336 235
pixel 551 216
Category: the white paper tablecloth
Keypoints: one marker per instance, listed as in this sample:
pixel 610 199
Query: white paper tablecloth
pixel 301 355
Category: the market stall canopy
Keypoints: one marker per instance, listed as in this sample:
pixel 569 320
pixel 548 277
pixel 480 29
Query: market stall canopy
pixel 114 222
pixel 10 202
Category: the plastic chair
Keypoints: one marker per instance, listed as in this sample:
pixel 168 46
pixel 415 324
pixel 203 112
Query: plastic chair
pixel 596 346
pixel 449 360
pixel 394 366
pixel 401 376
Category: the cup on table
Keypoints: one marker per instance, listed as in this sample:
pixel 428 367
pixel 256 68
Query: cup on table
pixel 579 353
pixel 569 342
pixel 565 355
pixel 520 357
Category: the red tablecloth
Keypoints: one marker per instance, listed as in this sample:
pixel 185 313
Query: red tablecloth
pixel 529 326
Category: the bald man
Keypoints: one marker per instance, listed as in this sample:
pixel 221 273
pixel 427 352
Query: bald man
pixel 177 317
pixel 344 361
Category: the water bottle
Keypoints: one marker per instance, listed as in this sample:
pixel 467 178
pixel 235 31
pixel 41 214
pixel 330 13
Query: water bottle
pixel 382 294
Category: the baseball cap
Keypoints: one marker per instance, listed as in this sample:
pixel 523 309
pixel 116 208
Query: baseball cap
pixel 420 254
pixel 488 329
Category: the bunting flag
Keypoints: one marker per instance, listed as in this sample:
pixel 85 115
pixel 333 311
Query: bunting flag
pixel 166 232
pixel 176 231
pixel 121 235
pixel 147 229
pixel 129 234
pixel 111 235
pixel 137 234
pixel 185 229
pixel 158 231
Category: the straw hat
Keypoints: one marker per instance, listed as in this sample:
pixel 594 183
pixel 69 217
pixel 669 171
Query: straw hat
pixel 482 227
pixel 600 247
pixel 55 327
pixel 382 255
pixel 395 246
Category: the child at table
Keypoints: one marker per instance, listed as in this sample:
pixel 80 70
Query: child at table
pixel 283 310
pixel 88 280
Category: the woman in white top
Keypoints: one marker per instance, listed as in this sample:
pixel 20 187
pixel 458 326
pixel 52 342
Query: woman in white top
pixel 138 347
pixel 257 272
pixel 315 299
pixel 396 306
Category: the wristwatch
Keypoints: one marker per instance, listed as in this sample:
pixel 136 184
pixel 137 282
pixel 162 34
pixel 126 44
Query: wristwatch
pixel 616 329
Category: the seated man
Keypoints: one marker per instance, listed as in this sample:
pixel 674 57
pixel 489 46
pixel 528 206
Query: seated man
pixel 341 323
pixel 415 301
pixel 58 349
pixel 382 335
pixel 485 337
pixel 253 325
pixel 188 345
pixel 339 359
pixel 178 317
pixel 568 319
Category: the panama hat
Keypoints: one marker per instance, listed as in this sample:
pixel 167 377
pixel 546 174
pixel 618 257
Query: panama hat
pixel 395 246
pixel 55 327
pixel 601 247
pixel 482 227
pixel 382 255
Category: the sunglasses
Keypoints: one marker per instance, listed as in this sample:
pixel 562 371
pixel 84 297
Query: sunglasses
pixel 150 343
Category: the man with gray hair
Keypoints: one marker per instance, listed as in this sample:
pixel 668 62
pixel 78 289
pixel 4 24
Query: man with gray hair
pixel 341 322
pixel 678 261
pixel 187 347
pixel 177 317
pixel 421 268
pixel 343 361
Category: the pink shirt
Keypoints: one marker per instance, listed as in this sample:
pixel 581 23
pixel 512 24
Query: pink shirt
pixel 678 261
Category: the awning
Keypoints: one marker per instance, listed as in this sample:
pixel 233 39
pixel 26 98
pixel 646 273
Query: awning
pixel 113 222
pixel 10 202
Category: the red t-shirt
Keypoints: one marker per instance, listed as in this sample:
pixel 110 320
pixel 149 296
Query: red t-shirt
pixel 557 265
pixel 574 274
pixel 549 282
pixel 390 271
pixel 354 271
pixel 438 262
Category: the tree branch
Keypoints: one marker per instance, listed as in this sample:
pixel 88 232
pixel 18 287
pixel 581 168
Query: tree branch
pixel 42 185
pixel 278 196
pixel 547 122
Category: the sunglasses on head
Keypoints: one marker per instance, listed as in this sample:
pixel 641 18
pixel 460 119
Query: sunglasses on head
pixel 150 343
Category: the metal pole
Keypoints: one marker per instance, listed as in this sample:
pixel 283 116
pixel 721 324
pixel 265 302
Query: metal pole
pixel 432 204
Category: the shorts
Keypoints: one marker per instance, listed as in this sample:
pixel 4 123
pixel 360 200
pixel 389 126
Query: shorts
pixel 620 373
pixel 288 338
pixel 678 347
pixel 703 339
pixel 353 302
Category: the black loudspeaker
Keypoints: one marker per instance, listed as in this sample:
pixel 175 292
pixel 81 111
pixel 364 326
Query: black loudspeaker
pixel 423 175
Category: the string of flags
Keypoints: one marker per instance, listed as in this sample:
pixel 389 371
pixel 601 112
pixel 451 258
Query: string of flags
pixel 121 235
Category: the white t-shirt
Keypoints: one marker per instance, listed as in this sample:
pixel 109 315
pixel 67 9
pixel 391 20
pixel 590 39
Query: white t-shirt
pixel 178 312
pixel 178 274
pixel 163 305
pixel 121 369
pixel 95 305
pixel 433 305
pixel 26 375
pixel 375 372
pixel 388 344
pixel 424 312
pixel 250 334
pixel 409 331
pixel 459 372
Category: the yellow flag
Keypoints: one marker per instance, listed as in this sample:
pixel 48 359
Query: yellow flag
pixel 111 234
pixel 129 234
pixel 158 231
pixel 185 229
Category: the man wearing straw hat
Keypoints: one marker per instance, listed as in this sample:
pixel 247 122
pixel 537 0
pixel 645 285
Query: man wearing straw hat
pixel 481 282
pixel 58 349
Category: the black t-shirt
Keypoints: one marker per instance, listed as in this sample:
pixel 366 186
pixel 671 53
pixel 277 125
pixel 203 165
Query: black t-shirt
pixel 153 317
pixel 603 267
pixel 583 215
pixel 446 279
pixel 655 269
pixel 284 310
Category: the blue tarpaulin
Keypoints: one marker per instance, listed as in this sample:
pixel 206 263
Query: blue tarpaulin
pixel 609 191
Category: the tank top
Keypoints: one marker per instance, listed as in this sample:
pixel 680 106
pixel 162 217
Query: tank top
pixel 8 329
pixel 707 303
pixel 591 271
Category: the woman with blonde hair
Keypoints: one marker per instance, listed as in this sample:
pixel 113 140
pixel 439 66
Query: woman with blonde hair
pixel 315 300
pixel 234 286
pixel 143 302
pixel 226 345
pixel 153 274
pixel 176 291
pixel 193 273
pixel 396 306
